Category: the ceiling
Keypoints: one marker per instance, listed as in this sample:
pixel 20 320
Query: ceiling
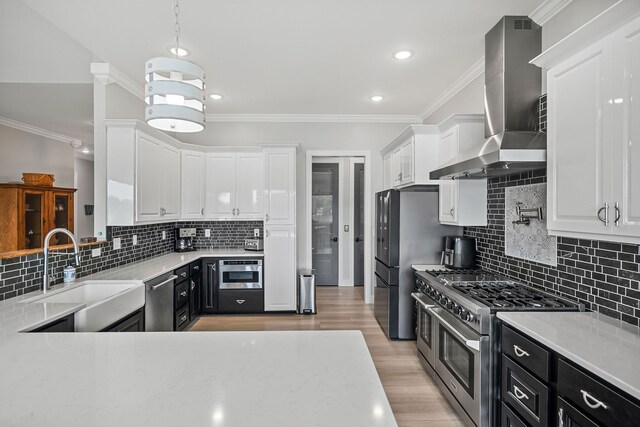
pixel 295 56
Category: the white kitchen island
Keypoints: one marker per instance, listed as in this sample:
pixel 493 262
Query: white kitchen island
pixel 312 378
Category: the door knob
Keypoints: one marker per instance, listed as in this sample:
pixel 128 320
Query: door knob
pixel 334 239
pixel 357 239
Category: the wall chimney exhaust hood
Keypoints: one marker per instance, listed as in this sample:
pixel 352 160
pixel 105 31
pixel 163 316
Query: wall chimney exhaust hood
pixel 512 87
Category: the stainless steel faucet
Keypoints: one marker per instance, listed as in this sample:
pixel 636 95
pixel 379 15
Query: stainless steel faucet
pixel 76 253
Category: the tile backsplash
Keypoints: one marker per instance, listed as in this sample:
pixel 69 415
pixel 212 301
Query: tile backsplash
pixel 604 276
pixel 23 274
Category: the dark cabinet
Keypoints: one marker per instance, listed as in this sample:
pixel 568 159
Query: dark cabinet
pixel 181 297
pixel 131 323
pixel 240 301
pixel 65 324
pixel 195 299
pixel 539 387
pixel 208 289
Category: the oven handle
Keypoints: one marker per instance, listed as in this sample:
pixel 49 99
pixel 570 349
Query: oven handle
pixel 471 343
pixel 416 296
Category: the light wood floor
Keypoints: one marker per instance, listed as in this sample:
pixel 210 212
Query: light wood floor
pixel 414 397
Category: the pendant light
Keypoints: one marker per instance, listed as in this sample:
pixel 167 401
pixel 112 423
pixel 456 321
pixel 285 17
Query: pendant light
pixel 174 91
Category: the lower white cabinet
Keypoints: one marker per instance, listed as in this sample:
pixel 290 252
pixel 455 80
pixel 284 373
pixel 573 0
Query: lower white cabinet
pixel 280 268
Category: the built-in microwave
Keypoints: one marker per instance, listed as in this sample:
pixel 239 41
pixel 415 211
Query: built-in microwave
pixel 240 274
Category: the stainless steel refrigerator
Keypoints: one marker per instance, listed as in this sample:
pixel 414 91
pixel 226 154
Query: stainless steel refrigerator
pixel 408 232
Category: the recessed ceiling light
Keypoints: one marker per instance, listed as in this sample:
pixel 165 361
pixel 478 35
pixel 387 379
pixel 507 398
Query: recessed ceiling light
pixel 181 51
pixel 377 98
pixel 86 150
pixel 216 96
pixel 403 54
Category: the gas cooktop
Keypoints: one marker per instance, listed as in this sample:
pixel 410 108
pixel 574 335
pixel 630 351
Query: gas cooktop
pixel 506 295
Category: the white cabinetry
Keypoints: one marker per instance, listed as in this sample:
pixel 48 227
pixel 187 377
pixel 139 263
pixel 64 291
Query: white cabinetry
pixel 280 228
pixel 280 268
pixel 192 164
pixel 462 202
pixel 280 186
pixel 410 157
pixel 593 131
pixel 143 174
pixel 233 186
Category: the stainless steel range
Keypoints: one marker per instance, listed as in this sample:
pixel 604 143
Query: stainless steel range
pixel 456 330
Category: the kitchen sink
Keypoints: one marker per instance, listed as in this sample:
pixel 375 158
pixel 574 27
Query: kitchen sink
pixel 105 302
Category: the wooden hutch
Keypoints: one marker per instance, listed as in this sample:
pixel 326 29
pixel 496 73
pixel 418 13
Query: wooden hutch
pixel 28 213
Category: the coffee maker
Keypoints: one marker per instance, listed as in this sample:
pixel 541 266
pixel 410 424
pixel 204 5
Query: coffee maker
pixel 184 239
pixel 459 252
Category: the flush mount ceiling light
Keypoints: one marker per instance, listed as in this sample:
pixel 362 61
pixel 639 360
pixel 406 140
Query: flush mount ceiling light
pixel 178 51
pixel 216 96
pixel 174 91
pixel 377 98
pixel 403 54
pixel 86 150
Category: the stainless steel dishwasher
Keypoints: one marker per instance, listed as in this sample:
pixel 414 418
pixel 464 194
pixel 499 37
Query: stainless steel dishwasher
pixel 158 309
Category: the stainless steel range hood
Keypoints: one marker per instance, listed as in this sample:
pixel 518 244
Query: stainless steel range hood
pixel 512 87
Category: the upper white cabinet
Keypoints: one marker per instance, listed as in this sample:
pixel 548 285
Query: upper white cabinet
pixel 462 202
pixel 410 157
pixel 593 131
pixel 193 172
pixel 233 186
pixel 143 174
pixel 280 186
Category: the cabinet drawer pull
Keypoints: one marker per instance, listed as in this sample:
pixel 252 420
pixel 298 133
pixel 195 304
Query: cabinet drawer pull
pixel 196 267
pixel 617 220
pixel 519 394
pixel 193 285
pixel 266 217
pixel 183 294
pixel 202 211
pixel 239 301
pixel 452 211
pixel 519 352
pixel 605 208
pixel 183 274
pixel 591 401
pixel 183 318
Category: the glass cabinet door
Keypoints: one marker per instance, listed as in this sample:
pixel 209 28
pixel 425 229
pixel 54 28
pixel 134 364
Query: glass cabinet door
pixel 34 219
pixel 62 216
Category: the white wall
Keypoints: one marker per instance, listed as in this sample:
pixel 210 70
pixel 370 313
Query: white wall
pixel 36 51
pixel 122 104
pixel 311 136
pixel 469 100
pixel 25 152
pixel 84 196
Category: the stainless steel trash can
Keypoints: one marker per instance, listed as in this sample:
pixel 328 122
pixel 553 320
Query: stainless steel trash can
pixel 307 292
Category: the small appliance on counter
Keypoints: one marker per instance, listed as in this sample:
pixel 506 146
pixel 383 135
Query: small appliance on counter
pixel 254 244
pixel 184 239
pixel 459 252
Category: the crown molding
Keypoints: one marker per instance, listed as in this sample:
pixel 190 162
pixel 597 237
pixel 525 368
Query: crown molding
pixel 311 118
pixel 74 142
pixel 547 10
pixel 461 82
pixel 107 74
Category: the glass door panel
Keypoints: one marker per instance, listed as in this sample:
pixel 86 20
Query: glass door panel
pixel 33 220
pixel 457 358
pixel 61 218
pixel 324 220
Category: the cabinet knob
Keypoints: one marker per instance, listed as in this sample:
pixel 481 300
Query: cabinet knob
pixel 196 267
pixel 183 274
pixel 183 294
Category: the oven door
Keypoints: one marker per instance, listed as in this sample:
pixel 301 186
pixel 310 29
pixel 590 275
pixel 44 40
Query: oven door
pixel 462 363
pixel 426 331
pixel 240 276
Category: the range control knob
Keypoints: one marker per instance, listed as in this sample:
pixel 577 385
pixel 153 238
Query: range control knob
pixel 464 314
pixel 455 308
pixel 444 300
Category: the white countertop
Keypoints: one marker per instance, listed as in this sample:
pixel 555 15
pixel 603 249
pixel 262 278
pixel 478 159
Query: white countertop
pixel 156 266
pixel 316 378
pixel 605 346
